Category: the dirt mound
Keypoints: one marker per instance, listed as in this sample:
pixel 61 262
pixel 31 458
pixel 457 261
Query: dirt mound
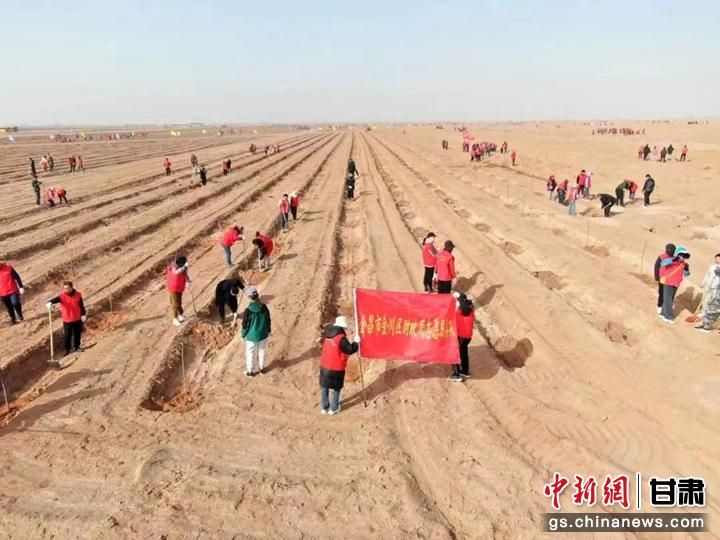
pixel 513 353
pixel 551 280
pixel 187 398
pixel 213 335
pixel 598 249
pixel 618 333
pixel 482 227
pixel 512 248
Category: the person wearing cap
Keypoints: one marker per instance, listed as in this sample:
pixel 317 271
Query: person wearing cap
pixel 672 272
pixel 333 362
pixel 226 294
pixel 429 253
pixel 668 254
pixel 177 279
pixel 11 289
pixel 648 188
pixel 465 322
pixel 445 268
pixel 231 236
pixel 256 328
pixel 294 204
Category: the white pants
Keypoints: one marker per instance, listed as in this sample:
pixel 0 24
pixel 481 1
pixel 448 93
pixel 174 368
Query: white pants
pixel 253 349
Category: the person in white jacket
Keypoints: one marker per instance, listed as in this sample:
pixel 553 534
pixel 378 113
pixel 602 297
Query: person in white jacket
pixel 711 304
pixel 711 280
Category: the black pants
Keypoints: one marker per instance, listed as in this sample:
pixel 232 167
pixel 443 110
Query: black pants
pixel 37 198
pixel 607 208
pixel 561 196
pixel 464 366
pixel 351 192
pixel 660 294
pixel 231 302
pixel 646 196
pixel 293 211
pixel 13 306
pixel 73 332
pixel 444 287
pixel 620 195
pixel 51 203
pixel 428 279
pixel 167 171
pixel 682 157
pixel 63 198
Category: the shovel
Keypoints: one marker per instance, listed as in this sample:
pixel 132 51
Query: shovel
pixel 695 317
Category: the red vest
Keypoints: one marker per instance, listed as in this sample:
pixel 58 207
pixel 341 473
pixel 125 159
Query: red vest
pixel 445 267
pixel 8 285
pixel 465 324
pixel 166 164
pixel 268 243
pixel 284 206
pixel 70 307
pixel 295 201
pixel 429 255
pixel 673 274
pixel 176 282
pixel 332 357
pixel 229 237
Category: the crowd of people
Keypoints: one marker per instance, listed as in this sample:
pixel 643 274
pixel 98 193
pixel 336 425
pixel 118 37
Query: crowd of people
pixel 645 152
pixel 47 165
pixel 617 131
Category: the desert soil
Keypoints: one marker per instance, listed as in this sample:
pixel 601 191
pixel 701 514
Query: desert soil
pixel 154 432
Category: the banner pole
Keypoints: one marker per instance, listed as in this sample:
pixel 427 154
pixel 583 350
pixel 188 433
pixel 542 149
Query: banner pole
pixel 357 333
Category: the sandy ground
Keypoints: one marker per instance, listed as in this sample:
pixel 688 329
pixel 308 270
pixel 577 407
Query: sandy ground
pixel 154 432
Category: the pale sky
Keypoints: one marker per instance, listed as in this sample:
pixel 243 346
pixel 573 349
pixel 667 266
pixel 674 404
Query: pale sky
pixel 157 61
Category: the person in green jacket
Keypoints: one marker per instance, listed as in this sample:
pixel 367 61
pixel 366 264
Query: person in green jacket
pixel 256 327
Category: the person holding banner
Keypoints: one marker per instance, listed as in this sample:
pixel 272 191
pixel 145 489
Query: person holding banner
pixel 465 322
pixel 333 362
pixel 429 261
pixel 445 268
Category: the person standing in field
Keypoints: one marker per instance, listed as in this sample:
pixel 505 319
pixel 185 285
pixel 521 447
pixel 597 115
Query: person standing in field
pixel 80 164
pixel 256 329
pixel 562 191
pixel 62 195
pixel 73 313
pixel 445 268
pixel 672 272
pixel 193 160
pixel 572 200
pixel 513 156
pixel 177 279
pixel 711 303
pixel 464 322
pixel 429 254
pixel 666 255
pixel 588 185
pixel 352 168
pixel 167 166
pixel 230 237
pixel 663 153
pixel 265 246
pixel 550 186
pixel 683 152
pixel 333 363
pixel 648 188
pixel 620 191
pixel 36 187
pixel 350 186
pixel 632 189
pixel 284 206
pixel 71 164
pixel 294 204
pixel 640 151
pixel 606 203
pixel 50 197
pixel 646 152
pixel 670 151
pixel 11 289
pixel 203 175
pixel 224 168
pixel 227 292
pixel 33 171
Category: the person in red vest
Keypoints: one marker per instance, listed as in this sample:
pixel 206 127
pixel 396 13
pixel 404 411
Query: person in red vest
pixel 167 166
pixel 11 289
pixel 672 273
pixel 62 195
pixel 231 236
pixel 668 254
pixel 580 182
pixel 79 164
pixel 633 187
pixel 71 164
pixel 294 204
pixel 225 168
pixel 72 311
pixel 445 268
pixel 177 279
pixel 465 322
pixel 550 186
pixel 284 206
pixel 513 155
pixel 50 197
pixel 429 254
pixel 265 247
pixel 333 362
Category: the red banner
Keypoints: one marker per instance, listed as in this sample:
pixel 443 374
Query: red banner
pixel 406 326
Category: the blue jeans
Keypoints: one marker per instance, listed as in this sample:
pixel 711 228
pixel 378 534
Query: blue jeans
pixel 284 218
pixel 325 394
pixel 571 208
pixel 228 256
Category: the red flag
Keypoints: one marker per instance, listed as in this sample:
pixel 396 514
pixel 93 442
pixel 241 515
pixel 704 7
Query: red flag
pixel 406 326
